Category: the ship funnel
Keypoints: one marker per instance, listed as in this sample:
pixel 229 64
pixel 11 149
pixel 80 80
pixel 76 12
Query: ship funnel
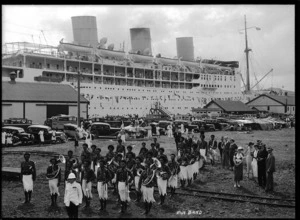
pixel 140 39
pixel 185 48
pixel 85 30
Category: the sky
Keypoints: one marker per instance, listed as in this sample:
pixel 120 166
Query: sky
pixel 217 32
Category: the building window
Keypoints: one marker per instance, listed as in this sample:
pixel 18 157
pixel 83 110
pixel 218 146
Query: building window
pixel 293 108
pixel 268 108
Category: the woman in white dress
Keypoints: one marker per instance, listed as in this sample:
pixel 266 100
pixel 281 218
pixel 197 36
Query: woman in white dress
pixel 249 157
pixel 254 163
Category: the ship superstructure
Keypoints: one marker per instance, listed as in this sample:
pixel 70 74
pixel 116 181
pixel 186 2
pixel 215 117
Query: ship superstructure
pixel 118 82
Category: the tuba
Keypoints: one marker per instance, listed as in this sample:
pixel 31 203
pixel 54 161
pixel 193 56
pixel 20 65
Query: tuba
pixel 156 165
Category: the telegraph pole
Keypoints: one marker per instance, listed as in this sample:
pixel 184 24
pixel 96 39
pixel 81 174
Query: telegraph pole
pixel 78 99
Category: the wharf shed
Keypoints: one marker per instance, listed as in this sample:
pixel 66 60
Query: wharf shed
pixel 229 107
pixel 274 103
pixel 39 101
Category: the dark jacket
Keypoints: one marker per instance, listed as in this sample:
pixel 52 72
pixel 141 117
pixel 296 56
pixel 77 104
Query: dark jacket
pixel 270 163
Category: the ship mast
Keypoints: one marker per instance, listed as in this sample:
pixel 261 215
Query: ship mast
pixel 247 59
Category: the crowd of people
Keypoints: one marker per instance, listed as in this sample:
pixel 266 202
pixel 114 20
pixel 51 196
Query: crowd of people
pixel 124 170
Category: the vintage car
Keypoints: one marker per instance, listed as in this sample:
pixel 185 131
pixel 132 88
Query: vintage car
pixel 70 131
pixel 187 125
pixel 17 122
pixel 35 129
pixel 103 129
pixel 19 134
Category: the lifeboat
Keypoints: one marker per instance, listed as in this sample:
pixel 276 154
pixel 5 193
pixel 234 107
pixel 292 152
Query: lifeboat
pixel 190 63
pixel 166 61
pixel 139 58
pixel 110 53
pixel 74 48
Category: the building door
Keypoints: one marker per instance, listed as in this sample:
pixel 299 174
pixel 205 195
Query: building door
pixel 53 110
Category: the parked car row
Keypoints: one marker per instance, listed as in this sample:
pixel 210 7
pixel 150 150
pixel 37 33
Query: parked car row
pixel 30 135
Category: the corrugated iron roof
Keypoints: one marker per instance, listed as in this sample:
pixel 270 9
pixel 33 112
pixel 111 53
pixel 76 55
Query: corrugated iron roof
pixel 46 92
pixel 289 100
pixel 231 106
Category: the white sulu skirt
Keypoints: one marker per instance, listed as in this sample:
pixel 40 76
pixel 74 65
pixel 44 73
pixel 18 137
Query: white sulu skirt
pixel 87 188
pixel 102 190
pixel 189 172
pixel 195 167
pixel 123 138
pixel 173 181
pixel 162 186
pixel 27 182
pixel 183 173
pixel 114 180
pixel 201 162
pixel 53 186
pixel 202 152
pixel 123 192
pixel 148 194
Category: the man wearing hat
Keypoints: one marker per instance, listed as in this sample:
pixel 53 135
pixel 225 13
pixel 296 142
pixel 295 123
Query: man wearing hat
pixel 73 196
pixel 261 165
pixel 238 166
pixel 54 177
pixel 147 190
pixel 122 182
pixel 174 170
pixel 137 167
pixel 270 168
pixel 161 180
pixel 103 177
pixel 28 175
pixel 232 149
pixel 88 176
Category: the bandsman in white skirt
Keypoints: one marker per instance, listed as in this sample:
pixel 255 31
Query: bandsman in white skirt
pixel 146 185
pixel 195 166
pixel 183 170
pixel 123 178
pixel 162 178
pixel 54 176
pixel 28 175
pixel 103 176
pixel 137 169
pixel 174 169
pixel 88 176
pixel 190 160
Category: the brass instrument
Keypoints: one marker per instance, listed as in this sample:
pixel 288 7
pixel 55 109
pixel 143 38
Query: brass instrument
pixel 139 171
pixel 61 159
pixel 156 165
pixel 53 175
pixel 192 161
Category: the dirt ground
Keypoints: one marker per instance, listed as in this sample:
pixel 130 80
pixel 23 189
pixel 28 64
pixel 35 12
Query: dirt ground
pixel 212 178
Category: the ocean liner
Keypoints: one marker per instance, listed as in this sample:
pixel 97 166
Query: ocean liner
pixel 118 82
